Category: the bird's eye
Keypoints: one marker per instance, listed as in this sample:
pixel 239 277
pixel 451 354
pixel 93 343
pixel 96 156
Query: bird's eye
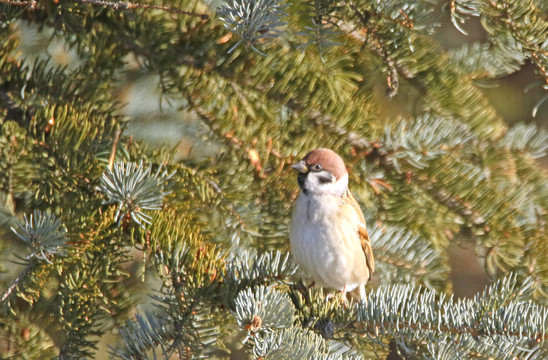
pixel 317 167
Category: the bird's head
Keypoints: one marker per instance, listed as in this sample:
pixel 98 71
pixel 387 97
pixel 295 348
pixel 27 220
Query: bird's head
pixel 322 172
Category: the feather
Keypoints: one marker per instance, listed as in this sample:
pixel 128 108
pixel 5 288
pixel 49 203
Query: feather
pixel 363 235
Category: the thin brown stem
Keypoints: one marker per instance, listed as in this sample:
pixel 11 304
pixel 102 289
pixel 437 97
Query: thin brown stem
pixel 17 281
pixel 30 4
pixel 123 5
pixel 113 151
pixel 118 5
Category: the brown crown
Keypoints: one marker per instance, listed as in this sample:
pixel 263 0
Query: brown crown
pixel 328 159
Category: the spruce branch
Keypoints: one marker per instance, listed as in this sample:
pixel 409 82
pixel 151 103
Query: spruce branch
pixel 248 268
pixel 43 234
pixel 521 19
pixel 294 343
pixel 134 188
pixel 423 139
pixel 500 56
pixel 263 309
pixel 117 5
pixel 419 143
pixel 376 43
pixel 298 343
pixel 190 270
pixel 124 5
pixel 253 20
pixel 502 314
pixel 461 9
pixel 441 351
pixel 20 278
pixel 376 18
pixel 184 261
pixel 527 24
pixel 31 5
pixel 322 32
pixel 142 335
pixel 320 35
pixel 195 328
pixel 411 258
pixel 526 138
pixel 13 176
pixel 327 317
pixel 414 16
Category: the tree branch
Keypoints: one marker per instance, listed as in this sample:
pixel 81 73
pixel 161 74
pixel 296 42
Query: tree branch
pixel 120 5
pixel 17 281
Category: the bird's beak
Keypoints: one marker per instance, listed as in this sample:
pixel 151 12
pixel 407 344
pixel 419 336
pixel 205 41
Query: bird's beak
pixel 300 167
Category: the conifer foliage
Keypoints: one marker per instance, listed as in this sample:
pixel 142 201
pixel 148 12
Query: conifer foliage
pixel 105 239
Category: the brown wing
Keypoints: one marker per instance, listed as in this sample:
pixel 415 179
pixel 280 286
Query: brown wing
pixel 364 237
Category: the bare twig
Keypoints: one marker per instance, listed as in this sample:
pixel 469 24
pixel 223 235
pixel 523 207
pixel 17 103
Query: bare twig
pixel 119 5
pixel 123 5
pixel 30 4
pixel 113 151
pixel 17 281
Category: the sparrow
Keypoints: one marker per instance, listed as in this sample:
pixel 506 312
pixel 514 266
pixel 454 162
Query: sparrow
pixel 328 235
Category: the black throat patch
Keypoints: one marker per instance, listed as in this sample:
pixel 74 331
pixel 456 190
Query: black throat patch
pixel 301 179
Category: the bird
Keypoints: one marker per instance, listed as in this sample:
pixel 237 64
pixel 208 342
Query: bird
pixel 328 234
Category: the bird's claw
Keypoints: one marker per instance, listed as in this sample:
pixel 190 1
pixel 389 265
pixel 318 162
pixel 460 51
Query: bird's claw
pixel 344 301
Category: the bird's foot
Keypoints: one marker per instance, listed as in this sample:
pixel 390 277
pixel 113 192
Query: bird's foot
pixel 344 300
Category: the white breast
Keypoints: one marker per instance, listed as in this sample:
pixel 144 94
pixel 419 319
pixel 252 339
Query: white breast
pixel 323 243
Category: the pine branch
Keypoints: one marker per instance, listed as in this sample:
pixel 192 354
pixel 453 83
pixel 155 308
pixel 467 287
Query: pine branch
pixel 123 5
pixel 247 269
pixel 501 312
pixel 525 22
pixel 423 139
pixel 119 5
pixel 134 188
pixel 293 343
pixel 322 32
pixel 375 42
pixel 46 238
pixel 263 309
pixel 44 235
pixel 526 138
pixel 31 5
pixel 253 21
pixel 145 334
pixel 497 58
pixel 20 278
pixel 406 258
pixel 520 19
